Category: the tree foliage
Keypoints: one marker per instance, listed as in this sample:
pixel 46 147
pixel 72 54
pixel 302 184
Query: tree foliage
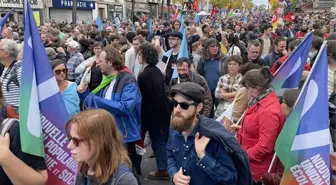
pixel 274 3
pixel 234 4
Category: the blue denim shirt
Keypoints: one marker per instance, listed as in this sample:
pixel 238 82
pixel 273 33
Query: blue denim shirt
pixel 215 168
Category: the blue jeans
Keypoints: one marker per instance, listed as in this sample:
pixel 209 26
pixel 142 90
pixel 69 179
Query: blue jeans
pixel 159 148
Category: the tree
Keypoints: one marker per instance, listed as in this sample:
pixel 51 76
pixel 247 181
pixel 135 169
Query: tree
pixel 274 4
pixel 248 4
pixel 262 7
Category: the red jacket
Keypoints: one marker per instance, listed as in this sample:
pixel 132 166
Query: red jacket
pixel 280 61
pixel 300 35
pixel 260 128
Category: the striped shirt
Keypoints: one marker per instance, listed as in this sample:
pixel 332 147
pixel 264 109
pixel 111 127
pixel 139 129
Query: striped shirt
pixel 11 91
pixel 331 81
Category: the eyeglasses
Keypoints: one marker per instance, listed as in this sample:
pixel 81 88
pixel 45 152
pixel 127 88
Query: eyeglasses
pixel 282 101
pixel 183 105
pixel 59 71
pixel 75 140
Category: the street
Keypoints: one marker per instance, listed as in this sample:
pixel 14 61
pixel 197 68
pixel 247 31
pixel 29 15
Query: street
pixel 148 165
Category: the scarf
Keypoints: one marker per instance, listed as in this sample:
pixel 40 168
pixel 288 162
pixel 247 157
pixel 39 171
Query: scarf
pixel 260 97
pixel 106 80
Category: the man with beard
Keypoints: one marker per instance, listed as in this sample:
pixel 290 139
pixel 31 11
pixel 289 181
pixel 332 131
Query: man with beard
pixel 301 34
pixel 279 51
pixel 194 158
pixel 186 75
pixel 46 40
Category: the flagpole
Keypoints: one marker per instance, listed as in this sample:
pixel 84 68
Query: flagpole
pixel 272 163
pixel 293 52
pixel 312 69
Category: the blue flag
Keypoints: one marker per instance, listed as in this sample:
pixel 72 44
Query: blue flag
pixel 182 28
pixel 4 20
pixel 38 90
pixel 182 53
pixel 303 144
pixel 212 24
pixel 42 109
pixel 99 23
pixel 151 26
pixel 290 72
pixel 133 28
pixel 197 19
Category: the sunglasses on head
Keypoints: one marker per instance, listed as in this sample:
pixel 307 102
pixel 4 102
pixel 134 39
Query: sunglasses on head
pixel 59 71
pixel 75 140
pixel 183 105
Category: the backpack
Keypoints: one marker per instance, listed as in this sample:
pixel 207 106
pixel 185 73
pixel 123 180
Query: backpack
pixel 214 130
pixel 123 170
pixel 6 125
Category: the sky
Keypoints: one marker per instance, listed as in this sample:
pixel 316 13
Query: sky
pixel 259 2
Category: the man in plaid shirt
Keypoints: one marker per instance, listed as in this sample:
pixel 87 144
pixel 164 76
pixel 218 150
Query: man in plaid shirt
pixel 75 59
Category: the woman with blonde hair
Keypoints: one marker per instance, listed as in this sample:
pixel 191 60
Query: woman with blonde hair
pixel 96 145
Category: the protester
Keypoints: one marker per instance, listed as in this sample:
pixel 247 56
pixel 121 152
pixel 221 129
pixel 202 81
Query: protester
pixel 279 51
pixel 254 52
pixel 262 122
pixel 266 39
pixel 212 66
pixel 154 108
pixel 118 94
pixel 170 57
pixel 208 161
pixel 186 75
pixel 229 85
pixel 76 58
pixel 287 103
pixel 242 97
pixel 67 88
pixel 131 58
pixel 10 72
pixel 90 66
pixel 96 145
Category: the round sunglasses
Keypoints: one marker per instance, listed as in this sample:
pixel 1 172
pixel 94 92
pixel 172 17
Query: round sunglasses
pixel 75 140
pixel 59 71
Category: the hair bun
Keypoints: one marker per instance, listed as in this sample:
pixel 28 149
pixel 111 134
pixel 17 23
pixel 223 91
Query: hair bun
pixel 265 70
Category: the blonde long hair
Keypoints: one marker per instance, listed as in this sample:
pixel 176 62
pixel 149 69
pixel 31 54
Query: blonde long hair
pixel 100 127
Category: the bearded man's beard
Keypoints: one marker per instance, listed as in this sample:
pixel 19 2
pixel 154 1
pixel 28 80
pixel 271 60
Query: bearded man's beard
pixel 181 123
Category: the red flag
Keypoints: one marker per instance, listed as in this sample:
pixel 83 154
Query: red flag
pixel 213 12
pixel 195 6
pixel 275 18
pixel 289 17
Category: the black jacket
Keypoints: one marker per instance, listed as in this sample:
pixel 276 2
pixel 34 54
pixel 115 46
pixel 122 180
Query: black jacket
pixel 154 107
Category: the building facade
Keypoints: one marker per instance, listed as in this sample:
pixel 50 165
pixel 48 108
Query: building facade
pixel 61 10
pixel 17 14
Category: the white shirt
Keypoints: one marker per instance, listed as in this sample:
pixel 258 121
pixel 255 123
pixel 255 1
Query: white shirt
pixel 108 93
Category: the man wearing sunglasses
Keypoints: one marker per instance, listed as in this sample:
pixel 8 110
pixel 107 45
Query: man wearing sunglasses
pixel 194 156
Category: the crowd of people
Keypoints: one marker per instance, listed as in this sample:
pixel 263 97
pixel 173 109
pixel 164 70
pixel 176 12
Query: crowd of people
pixel 119 88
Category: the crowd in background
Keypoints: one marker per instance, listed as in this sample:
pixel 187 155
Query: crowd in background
pixel 128 70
